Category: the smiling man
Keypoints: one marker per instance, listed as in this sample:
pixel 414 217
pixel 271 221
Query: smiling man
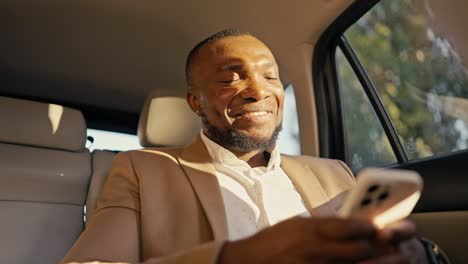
pixel 230 196
pixel 237 93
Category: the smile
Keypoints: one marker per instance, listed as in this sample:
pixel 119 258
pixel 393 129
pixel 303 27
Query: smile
pixel 255 117
pixel 252 114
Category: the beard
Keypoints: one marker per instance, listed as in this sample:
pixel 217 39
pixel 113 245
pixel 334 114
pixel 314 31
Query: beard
pixel 232 138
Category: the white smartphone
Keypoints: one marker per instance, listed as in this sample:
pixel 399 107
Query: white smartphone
pixel 383 195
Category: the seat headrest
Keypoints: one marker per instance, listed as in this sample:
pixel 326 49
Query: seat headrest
pixel 167 121
pixel 42 125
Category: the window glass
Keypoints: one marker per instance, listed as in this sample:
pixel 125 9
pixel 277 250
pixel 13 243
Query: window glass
pixel 366 141
pixel 112 140
pixel 288 140
pixel 408 51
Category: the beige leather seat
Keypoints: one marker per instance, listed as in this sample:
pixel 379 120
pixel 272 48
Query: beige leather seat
pixel 101 163
pixel 44 175
pixel 165 121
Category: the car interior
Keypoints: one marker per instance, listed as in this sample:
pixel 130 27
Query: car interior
pixel 373 83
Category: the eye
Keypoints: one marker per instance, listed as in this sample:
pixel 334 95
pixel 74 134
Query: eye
pixel 229 79
pixel 271 78
pixel 270 75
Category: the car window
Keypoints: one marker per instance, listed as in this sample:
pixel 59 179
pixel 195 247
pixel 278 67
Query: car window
pixel 418 73
pixel 288 140
pixel 365 140
pixel 112 140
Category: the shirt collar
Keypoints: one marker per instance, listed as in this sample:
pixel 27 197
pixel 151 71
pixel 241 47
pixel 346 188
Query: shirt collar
pixel 223 156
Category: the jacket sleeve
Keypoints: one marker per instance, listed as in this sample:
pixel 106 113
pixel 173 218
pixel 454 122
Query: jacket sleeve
pixel 113 234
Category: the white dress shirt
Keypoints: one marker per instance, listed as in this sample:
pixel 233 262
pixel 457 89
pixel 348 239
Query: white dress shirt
pixel 254 198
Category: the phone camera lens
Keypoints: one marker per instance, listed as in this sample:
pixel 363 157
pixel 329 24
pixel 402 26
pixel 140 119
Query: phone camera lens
pixel 365 202
pixel 383 196
pixel 373 188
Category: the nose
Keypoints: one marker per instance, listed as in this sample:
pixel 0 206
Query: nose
pixel 255 91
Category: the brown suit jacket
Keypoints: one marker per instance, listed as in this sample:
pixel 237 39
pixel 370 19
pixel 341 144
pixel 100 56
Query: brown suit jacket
pixel 165 205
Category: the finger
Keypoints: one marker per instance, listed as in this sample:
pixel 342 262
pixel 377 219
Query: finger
pixel 399 231
pixel 347 229
pixel 352 251
pixel 388 259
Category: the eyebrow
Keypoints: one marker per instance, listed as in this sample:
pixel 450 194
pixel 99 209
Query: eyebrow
pixel 239 66
pixel 231 67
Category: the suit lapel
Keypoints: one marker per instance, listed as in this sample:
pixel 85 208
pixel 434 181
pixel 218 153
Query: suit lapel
pixel 198 167
pixel 200 171
pixel 308 186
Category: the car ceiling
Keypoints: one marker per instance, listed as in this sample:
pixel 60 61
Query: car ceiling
pixel 110 54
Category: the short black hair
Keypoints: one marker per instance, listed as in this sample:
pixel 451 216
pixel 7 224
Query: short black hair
pixel 229 32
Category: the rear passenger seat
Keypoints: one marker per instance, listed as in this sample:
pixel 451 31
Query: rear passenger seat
pixel 164 122
pixel 45 171
pixel 44 175
pixel 101 163
pixel 167 122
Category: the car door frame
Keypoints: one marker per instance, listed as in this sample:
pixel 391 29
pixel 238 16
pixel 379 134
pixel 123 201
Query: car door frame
pixel 440 172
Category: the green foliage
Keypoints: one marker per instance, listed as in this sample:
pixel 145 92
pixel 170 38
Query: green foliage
pixel 415 72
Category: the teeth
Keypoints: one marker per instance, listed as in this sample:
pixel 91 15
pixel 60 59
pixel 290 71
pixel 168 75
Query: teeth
pixel 260 113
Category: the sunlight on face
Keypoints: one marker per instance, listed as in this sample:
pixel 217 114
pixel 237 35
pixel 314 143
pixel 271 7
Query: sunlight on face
pixel 239 90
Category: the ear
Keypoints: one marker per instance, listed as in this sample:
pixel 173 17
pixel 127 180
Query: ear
pixel 193 100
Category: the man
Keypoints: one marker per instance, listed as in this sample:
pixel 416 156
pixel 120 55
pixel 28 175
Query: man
pixel 230 197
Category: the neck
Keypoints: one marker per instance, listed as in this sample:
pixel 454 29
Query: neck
pixel 254 158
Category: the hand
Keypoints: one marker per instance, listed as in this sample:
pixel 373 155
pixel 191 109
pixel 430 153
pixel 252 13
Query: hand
pixel 401 244
pixel 306 240
pixel 398 232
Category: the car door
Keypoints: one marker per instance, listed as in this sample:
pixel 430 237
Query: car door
pixel 391 84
